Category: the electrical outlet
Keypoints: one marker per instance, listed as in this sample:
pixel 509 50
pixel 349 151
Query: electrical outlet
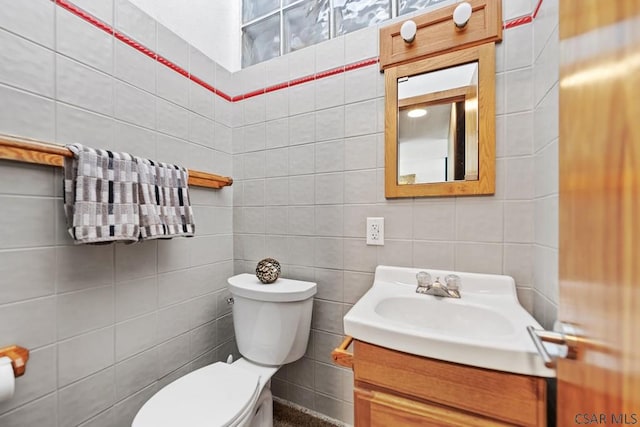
pixel 375 231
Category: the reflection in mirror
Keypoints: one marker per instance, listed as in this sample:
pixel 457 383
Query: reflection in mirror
pixel 438 126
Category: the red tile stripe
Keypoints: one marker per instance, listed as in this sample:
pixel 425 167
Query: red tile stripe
pixel 523 19
pixel 138 46
pixel 65 4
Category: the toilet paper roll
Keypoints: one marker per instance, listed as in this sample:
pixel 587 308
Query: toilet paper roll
pixel 7 379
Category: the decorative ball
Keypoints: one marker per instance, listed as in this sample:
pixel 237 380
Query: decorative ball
pixel 268 270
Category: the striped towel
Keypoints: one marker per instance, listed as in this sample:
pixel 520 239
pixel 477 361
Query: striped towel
pixel 101 196
pixel 165 208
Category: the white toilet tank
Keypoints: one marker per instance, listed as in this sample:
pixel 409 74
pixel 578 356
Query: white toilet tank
pixel 272 322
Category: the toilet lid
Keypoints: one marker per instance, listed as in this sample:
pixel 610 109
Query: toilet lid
pixel 215 395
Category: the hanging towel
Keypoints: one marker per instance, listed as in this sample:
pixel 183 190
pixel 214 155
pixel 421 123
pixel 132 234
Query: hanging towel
pixel 165 208
pixel 101 196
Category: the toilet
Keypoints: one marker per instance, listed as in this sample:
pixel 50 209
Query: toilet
pixel 272 324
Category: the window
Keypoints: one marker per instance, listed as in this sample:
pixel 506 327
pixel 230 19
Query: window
pixel 275 27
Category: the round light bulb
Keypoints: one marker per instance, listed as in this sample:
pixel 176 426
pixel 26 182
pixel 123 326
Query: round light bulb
pixel 417 112
pixel 462 14
pixel 408 31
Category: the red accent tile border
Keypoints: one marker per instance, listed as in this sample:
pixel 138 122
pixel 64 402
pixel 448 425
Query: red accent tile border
pixel 65 4
pixel 523 19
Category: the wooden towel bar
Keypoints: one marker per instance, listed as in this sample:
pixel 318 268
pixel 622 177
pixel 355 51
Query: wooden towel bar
pixel 31 151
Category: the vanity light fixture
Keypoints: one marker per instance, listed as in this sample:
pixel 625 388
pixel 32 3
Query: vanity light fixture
pixel 408 31
pixel 462 14
pixel 417 112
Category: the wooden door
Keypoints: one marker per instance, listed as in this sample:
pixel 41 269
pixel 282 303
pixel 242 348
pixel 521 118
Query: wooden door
pixel 600 210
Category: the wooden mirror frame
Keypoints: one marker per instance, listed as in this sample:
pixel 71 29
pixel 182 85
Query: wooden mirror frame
pixel 486 183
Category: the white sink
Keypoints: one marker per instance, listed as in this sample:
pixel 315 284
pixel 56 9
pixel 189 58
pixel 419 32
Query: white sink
pixel 485 328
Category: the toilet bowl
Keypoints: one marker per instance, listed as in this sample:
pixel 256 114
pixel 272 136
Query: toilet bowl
pixel 272 324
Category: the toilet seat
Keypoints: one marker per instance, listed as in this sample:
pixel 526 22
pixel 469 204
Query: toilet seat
pixel 215 395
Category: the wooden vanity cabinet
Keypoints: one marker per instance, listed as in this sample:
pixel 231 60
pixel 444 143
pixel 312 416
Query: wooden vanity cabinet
pixel 399 389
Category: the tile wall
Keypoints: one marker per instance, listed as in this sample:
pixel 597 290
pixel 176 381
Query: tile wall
pixel 546 132
pixel 106 325
pixel 309 166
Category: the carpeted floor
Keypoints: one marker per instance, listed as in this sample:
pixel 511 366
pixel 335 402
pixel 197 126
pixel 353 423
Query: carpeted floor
pixel 285 416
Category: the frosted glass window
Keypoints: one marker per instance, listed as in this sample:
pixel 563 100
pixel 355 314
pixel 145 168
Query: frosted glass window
pixel 305 24
pixel 271 27
pixel 351 15
pixel 261 41
pixel 252 9
pixel 410 6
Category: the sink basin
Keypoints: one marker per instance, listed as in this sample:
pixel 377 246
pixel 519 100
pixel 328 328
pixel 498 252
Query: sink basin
pixel 485 328
pixel 456 319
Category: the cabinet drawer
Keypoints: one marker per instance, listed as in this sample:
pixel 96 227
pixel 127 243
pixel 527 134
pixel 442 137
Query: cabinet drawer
pixel 513 398
pixel 379 409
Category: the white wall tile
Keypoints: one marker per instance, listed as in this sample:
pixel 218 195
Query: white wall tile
pixel 301 220
pixel 172 119
pixel 135 23
pixel 479 221
pixel 330 124
pixel 518 90
pixel 277 162
pixel 84 355
pixel 361 44
pixel 84 310
pixel 173 48
pixel 519 134
pixel 136 297
pixel 26 65
pixel 302 190
pixel 329 220
pixel 519 47
pixel 330 91
pixel 518 221
pixel 301 159
pixel 134 68
pixel 302 98
pixel 329 156
pixel 302 129
pixel 86 398
pixel 83 42
pixel 83 87
pixel 254 110
pixel 479 257
pixel 361 84
pixel 277 104
pixel 358 188
pixel 26 115
pixel 134 105
pixel 360 152
pixel 277 133
pixel 32 20
pixel 172 86
pixel 360 118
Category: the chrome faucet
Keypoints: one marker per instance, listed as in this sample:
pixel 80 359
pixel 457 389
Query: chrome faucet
pixel 449 289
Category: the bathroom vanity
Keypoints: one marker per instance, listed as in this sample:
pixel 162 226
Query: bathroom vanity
pixel 421 359
pixel 396 388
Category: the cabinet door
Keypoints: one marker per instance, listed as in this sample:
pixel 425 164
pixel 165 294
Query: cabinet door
pixel 378 409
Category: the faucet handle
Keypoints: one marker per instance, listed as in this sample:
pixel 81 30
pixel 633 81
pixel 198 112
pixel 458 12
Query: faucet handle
pixel 423 278
pixel 453 282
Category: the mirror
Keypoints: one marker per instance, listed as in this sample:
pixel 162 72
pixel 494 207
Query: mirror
pixel 439 125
